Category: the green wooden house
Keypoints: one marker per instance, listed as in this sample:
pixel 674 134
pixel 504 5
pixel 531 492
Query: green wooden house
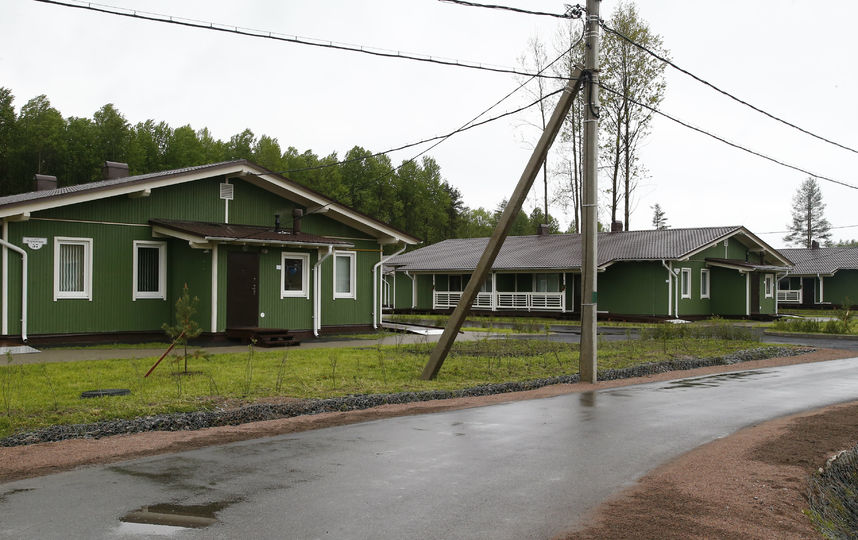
pixel 110 258
pixel 821 277
pixel 726 271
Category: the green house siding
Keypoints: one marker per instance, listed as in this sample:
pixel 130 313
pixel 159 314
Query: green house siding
pixel 728 292
pixel 633 288
pixel 424 291
pixel 841 288
pixel 349 311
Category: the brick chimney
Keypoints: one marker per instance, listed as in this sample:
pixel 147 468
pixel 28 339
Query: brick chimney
pixel 617 226
pixel 543 230
pixel 114 169
pixel 297 214
pixel 814 244
pixel 43 182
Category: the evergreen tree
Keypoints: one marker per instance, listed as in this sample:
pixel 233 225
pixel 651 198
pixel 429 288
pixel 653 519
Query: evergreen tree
pixel 808 223
pixel 659 219
pixel 186 326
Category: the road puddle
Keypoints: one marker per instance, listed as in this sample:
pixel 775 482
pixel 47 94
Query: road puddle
pixel 712 380
pixel 169 519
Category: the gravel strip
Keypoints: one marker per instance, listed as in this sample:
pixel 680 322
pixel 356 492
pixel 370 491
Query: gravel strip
pixel 260 412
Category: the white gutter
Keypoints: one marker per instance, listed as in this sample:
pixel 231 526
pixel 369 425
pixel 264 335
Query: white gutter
pixel 414 289
pixel 748 294
pixel 670 277
pixel 375 309
pixel 23 253
pixel 317 292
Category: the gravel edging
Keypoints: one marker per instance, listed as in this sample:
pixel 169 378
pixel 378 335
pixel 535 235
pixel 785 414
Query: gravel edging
pixel 831 495
pixel 267 411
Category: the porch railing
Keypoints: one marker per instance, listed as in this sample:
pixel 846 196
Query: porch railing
pixel 524 301
pixel 789 296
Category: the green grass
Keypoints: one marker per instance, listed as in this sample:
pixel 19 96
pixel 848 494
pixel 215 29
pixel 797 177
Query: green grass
pixel 809 312
pixel 38 395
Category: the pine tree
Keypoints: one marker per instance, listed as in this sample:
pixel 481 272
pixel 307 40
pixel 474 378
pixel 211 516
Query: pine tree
pixel 186 327
pixel 659 219
pixel 808 223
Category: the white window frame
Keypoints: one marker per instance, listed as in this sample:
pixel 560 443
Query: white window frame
pixel 161 293
pixel 86 293
pixel 352 256
pixel 685 281
pixel 769 283
pixel 305 275
pixel 704 280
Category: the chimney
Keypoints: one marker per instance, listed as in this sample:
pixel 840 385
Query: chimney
pixel 276 222
pixel 814 244
pixel 543 230
pixel 297 214
pixel 114 169
pixel 617 226
pixel 43 182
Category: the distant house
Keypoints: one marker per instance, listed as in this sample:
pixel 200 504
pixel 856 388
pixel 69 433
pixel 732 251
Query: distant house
pixel 697 272
pixel 110 258
pixel 821 276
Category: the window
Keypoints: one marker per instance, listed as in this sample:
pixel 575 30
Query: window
pixel 344 274
pixel 455 283
pixel 150 270
pixel 546 282
pixel 294 275
pixel 770 285
pixel 72 268
pixel 487 285
pixel 685 283
pixel 704 283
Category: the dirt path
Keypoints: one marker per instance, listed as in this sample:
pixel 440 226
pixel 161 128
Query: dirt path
pixel 749 485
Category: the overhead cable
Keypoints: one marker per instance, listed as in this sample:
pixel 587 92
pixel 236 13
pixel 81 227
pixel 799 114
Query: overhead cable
pixel 723 92
pixel 264 34
pixel 572 12
pixel 725 141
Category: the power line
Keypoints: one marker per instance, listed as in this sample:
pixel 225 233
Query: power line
pixel 572 12
pixel 725 141
pixel 264 34
pixel 723 92
pixel 830 228
pixel 467 125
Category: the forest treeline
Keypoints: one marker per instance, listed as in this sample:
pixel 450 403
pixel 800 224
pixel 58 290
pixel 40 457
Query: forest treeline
pixel 412 196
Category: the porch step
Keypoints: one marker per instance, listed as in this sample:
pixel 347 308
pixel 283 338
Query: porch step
pixel 263 337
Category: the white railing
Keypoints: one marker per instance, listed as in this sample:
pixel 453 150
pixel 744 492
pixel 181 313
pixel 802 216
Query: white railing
pixel 788 296
pixel 540 301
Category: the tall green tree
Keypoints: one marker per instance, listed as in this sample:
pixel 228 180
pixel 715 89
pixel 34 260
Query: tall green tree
pixel 8 138
pixel 808 220
pixel 267 153
pixel 240 145
pixel 82 161
pixel 113 134
pixel 184 149
pixel 42 142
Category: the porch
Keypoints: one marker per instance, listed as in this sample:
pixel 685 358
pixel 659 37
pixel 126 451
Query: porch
pixel 494 301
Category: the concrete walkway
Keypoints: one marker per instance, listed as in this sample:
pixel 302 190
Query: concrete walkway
pixel 50 355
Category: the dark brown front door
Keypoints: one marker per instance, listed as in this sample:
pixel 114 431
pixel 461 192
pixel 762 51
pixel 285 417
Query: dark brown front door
pixel 808 294
pixel 755 293
pixel 242 290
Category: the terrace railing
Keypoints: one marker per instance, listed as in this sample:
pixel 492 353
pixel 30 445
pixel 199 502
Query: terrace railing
pixel 521 301
pixel 789 296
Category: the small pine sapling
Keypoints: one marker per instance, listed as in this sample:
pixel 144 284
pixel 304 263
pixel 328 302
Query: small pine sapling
pixel 186 327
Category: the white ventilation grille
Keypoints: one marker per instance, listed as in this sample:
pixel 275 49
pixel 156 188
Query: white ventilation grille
pixel 227 191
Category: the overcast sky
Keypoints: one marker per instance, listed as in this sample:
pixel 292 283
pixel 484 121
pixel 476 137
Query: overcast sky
pixel 776 54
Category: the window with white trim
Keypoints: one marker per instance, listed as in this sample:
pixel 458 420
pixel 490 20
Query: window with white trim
pixel 150 270
pixel 294 275
pixel 685 283
pixel 704 283
pixel 72 268
pixel 546 282
pixel 770 285
pixel 344 274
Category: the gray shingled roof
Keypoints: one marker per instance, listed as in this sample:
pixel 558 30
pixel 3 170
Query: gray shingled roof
pixel 561 251
pixel 821 260
pixel 103 184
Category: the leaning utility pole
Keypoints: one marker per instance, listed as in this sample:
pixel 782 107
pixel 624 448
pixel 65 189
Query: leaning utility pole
pixel 587 360
pixel 513 207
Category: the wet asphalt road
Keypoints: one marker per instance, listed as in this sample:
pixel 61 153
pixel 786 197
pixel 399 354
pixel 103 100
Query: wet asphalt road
pixel 518 470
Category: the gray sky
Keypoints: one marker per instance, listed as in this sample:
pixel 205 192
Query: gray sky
pixel 776 54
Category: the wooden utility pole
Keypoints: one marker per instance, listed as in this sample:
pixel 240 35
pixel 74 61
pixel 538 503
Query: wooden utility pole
pixel 513 207
pixel 587 361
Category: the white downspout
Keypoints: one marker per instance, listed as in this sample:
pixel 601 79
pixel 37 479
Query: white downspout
pixel 414 289
pixel 670 277
pixel 375 317
pixel 747 294
pixel 23 253
pixel 317 292
pixel 4 308
pixel 821 290
pixel 214 289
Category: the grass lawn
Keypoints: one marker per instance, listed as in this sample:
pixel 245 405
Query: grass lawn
pixel 38 395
